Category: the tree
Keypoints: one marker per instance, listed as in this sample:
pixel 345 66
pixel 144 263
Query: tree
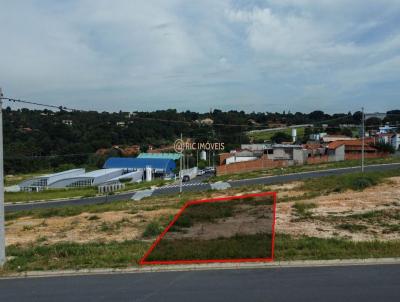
pixel 386 148
pixel 280 137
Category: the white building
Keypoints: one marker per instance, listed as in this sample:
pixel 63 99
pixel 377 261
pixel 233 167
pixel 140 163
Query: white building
pixel 76 178
pixel 93 178
pixel 42 182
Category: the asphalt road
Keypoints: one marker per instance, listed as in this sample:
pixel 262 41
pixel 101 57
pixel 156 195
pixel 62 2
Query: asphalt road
pixel 196 186
pixel 353 283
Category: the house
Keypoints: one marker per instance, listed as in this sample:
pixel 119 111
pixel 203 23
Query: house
pixel 295 153
pixel 352 149
pixel 317 136
pixel 385 138
pixel 387 129
pixel 240 156
pixel 121 124
pixel 67 122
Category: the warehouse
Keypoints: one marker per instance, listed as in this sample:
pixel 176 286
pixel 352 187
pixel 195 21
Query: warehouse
pixel 89 179
pixel 173 156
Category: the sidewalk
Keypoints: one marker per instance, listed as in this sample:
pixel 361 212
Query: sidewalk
pixel 203 267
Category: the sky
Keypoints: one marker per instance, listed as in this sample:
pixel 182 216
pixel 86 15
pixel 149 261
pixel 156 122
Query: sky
pixel 251 55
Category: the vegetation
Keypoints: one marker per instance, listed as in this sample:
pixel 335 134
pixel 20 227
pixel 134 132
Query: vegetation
pixel 152 229
pixel 75 255
pixel 39 140
pixel 128 253
pixel 277 136
pixel 303 209
pixel 236 247
pixel 312 248
pixel 382 147
pixel 341 183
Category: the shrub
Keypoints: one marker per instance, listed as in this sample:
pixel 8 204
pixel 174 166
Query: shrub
pixel 362 183
pixel 152 229
pixel 303 209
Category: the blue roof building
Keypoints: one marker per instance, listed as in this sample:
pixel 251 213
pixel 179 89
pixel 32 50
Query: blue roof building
pixel 131 163
pixel 173 156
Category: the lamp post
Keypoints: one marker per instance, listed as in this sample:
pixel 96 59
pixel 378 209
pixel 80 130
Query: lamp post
pixel 363 140
pixel 2 227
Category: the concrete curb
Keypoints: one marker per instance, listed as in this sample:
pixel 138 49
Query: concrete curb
pixel 203 267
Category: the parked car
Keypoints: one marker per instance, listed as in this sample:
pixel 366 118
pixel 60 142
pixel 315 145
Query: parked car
pixel 185 178
pixel 209 170
pixel 200 172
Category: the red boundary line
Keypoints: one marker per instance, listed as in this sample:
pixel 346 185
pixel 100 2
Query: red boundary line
pixel 143 260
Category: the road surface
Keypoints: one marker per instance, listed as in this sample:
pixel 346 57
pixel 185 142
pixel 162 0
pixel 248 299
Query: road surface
pixel 329 284
pixel 194 186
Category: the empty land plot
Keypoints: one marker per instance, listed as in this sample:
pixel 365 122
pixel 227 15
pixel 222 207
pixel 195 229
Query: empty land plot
pixel 218 230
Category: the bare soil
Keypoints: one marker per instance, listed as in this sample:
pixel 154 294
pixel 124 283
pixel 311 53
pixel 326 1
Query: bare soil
pixel 323 222
pixel 86 227
pixel 249 220
pixel 381 197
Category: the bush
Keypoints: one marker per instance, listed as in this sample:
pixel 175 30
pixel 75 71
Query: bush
pixel 387 148
pixel 362 183
pixel 303 209
pixel 152 229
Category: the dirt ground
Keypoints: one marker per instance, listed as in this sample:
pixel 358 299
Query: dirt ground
pixel 381 197
pixel 248 220
pixel 107 226
pixel 122 225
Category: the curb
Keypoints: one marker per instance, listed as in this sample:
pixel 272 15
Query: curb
pixel 204 267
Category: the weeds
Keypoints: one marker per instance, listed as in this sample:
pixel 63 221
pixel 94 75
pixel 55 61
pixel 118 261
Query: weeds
pixel 152 229
pixel 303 209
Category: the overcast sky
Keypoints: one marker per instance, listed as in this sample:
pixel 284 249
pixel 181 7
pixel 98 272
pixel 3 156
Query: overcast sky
pixel 298 55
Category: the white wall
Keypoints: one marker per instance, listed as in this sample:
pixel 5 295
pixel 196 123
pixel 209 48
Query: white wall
pixel 237 159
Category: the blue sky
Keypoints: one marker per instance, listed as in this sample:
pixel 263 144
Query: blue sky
pixel 298 55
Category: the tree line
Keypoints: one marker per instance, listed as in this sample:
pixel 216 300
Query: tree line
pixel 44 139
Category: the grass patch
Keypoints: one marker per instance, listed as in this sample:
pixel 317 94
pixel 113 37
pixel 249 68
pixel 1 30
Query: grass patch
pixel 341 183
pixel 75 192
pixel 127 253
pixel 262 136
pixel 75 255
pixel 352 227
pixel 239 246
pixel 303 209
pixel 311 248
pixel 49 194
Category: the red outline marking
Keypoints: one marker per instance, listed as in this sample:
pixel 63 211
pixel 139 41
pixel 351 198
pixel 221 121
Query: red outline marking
pixel 143 260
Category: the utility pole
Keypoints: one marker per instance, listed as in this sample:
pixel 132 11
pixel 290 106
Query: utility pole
pixel 363 140
pixel 2 227
pixel 180 168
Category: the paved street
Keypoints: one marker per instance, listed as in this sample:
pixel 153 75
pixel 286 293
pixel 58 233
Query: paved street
pixel 198 186
pixel 353 283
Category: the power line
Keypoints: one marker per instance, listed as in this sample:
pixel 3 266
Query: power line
pixel 197 123
pixel 38 104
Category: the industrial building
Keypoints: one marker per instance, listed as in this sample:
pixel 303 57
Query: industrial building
pixel 41 182
pixel 115 171
pixel 173 156
pixel 93 178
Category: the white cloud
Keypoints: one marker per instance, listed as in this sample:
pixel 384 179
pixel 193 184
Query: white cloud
pixel 192 55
